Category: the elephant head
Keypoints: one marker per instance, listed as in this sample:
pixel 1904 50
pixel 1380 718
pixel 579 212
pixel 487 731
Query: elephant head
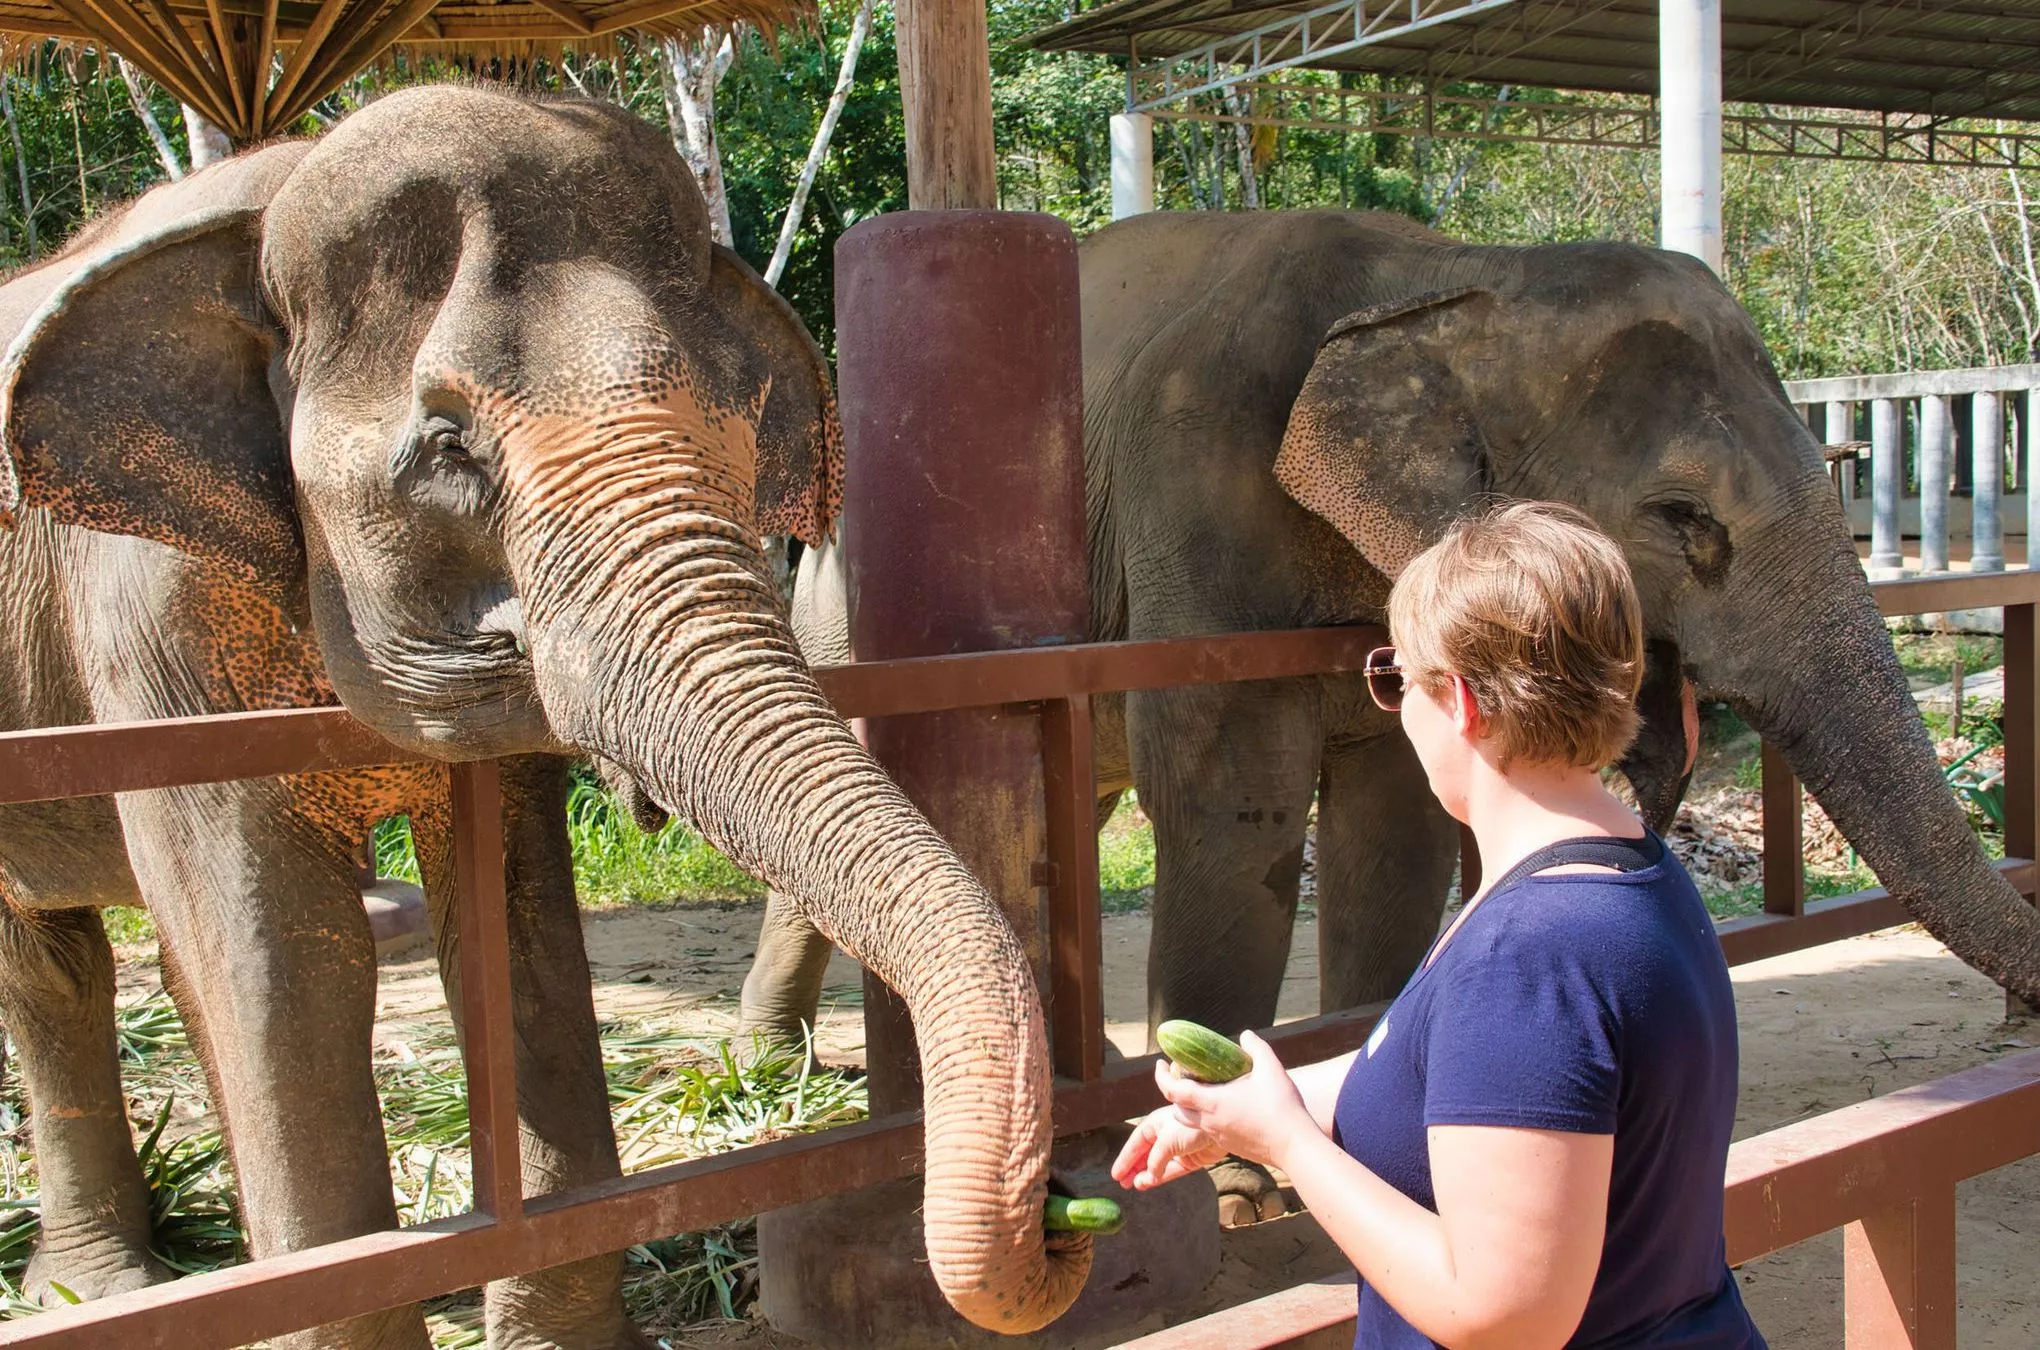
pixel 467 386
pixel 1629 382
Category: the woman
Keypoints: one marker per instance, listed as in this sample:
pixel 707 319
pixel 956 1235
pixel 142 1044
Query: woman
pixel 1529 1150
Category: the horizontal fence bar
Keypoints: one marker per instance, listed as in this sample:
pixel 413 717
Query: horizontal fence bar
pixel 51 762
pixel 1913 384
pixel 1758 936
pixel 1803 1179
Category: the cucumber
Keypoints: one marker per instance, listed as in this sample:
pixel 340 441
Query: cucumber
pixel 1202 1053
pixel 1095 1215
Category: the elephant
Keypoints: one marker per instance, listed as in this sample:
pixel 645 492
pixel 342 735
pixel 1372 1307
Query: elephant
pixel 1282 408
pixel 455 415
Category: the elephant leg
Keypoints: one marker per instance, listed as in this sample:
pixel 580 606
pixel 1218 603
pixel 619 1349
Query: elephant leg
pixel 259 917
pixel 564 1129
pixel 1385 852
pixel 1226 775
pixel 783 991
pixel 56 990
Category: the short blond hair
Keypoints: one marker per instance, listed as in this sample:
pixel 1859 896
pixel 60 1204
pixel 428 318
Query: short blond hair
pixel 1535 609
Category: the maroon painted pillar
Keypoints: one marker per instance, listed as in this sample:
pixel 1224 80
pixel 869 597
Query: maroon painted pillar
pixel 960 379
pixel 959 376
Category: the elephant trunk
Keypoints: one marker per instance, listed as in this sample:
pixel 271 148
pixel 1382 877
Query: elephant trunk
pixel 660 644
pixel 1830 696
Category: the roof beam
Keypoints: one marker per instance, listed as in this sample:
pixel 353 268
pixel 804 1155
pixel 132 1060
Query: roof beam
pixel 1294 40
pixel 567 14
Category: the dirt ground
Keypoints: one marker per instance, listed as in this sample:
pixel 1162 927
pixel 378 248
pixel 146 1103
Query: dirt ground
pixel 1820 1029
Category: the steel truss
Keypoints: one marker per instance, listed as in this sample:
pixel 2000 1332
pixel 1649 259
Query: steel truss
pixel 1618 124
pixel 1294 40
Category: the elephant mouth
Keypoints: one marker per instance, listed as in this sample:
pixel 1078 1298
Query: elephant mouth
pixel 468 684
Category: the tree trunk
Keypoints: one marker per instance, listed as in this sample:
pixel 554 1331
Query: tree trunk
pixel 690 73
pixel 138 95
pixel 20 164
pixel 1250 181
pixel 209 145
pixel 797 207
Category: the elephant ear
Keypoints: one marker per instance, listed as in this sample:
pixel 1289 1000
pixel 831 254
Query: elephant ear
pixel 1383 441
pixel 800 440
pixel 136 400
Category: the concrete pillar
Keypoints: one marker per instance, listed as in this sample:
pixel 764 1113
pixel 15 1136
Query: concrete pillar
pixel 1840 428
pixel 1689 110
pixel 2029 472
pixel 1987 483
pixel 1133 164
pixel 1937 439
pixel 1887 485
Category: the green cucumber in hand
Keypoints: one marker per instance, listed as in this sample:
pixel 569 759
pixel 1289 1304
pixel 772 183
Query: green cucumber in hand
pixel 1202 1053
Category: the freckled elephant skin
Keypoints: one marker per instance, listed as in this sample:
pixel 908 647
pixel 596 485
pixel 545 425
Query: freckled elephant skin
pixel 455 415
pixel 1282 407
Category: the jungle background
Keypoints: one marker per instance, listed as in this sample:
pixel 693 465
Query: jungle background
pixel 1847 268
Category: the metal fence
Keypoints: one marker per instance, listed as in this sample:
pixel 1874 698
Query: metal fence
pixel 1907 449
pixel 509 1233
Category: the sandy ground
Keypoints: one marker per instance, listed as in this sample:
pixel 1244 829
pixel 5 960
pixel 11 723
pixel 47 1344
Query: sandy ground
pixel 1820 1029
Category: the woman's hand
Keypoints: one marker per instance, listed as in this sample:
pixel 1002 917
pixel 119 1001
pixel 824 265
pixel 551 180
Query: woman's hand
pixel 1256 1117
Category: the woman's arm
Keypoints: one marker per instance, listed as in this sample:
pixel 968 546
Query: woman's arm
pixel 1507 1262
pixel 1318 1084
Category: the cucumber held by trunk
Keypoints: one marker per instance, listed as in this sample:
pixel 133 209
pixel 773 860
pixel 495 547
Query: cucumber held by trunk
pixel 1064 1214
pixel 1202 1053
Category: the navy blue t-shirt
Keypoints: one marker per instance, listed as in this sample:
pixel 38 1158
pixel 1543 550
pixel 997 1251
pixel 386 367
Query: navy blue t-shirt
pixel 1595 1002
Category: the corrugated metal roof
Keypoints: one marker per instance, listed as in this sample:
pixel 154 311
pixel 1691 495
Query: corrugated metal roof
pixel 1970 58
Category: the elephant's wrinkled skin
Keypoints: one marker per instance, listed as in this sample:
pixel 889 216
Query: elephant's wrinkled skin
pixel 458 414
pixel 1282 408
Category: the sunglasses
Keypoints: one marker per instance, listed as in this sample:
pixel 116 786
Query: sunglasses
pixel 1385 684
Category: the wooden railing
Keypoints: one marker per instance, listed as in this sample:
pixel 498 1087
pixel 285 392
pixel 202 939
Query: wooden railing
pixel 509 1233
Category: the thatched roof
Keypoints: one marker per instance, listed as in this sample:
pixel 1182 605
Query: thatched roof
pixel 209 53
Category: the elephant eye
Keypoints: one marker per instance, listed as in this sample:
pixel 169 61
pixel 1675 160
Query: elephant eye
pixel 443 437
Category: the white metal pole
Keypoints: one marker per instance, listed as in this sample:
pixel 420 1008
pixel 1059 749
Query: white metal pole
pixel 1689 111
pixel 1133 164
pixel 1987 480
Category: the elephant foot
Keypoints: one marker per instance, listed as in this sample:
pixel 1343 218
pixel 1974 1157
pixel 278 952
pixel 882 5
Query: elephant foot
pixel 571 1307
pixel 90 1270
pixel 1246 1193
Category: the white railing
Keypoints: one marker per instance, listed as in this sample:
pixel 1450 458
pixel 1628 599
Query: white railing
pixel 1921 442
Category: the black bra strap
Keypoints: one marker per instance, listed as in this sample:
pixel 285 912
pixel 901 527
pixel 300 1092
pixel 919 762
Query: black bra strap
pixel 1624 855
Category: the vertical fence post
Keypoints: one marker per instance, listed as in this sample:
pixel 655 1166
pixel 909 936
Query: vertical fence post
pixel 487 1042
pixel 1987 483
pixel 1075 958
pixel 2022 745
pixel 1937 430
pixel 1887 484
pixel 1899 1277
pixel 2029 469
pixel 1784 850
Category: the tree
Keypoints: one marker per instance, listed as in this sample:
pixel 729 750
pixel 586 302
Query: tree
pixel 797 208
pixel 691 72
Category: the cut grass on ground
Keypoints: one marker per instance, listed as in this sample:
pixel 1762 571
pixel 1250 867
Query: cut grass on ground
pixel 672 1098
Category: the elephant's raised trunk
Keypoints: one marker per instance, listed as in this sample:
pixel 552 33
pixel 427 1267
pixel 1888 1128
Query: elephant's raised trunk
pixel 1827 690
pixel 660 644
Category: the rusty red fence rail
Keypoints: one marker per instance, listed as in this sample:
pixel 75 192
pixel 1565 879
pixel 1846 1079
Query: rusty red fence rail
pixel 509 1233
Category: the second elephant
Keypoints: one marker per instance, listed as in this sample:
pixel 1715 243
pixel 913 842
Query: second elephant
pixel 1282 408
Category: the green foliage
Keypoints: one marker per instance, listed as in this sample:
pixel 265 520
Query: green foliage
pixel 1126 859
pixel 673 1098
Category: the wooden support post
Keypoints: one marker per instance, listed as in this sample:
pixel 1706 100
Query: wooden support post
pixel 1899 1277
pixel 1076 960
pixel 2022 748
pixel 946 91
pixel 487 1039
pixel 1784 849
